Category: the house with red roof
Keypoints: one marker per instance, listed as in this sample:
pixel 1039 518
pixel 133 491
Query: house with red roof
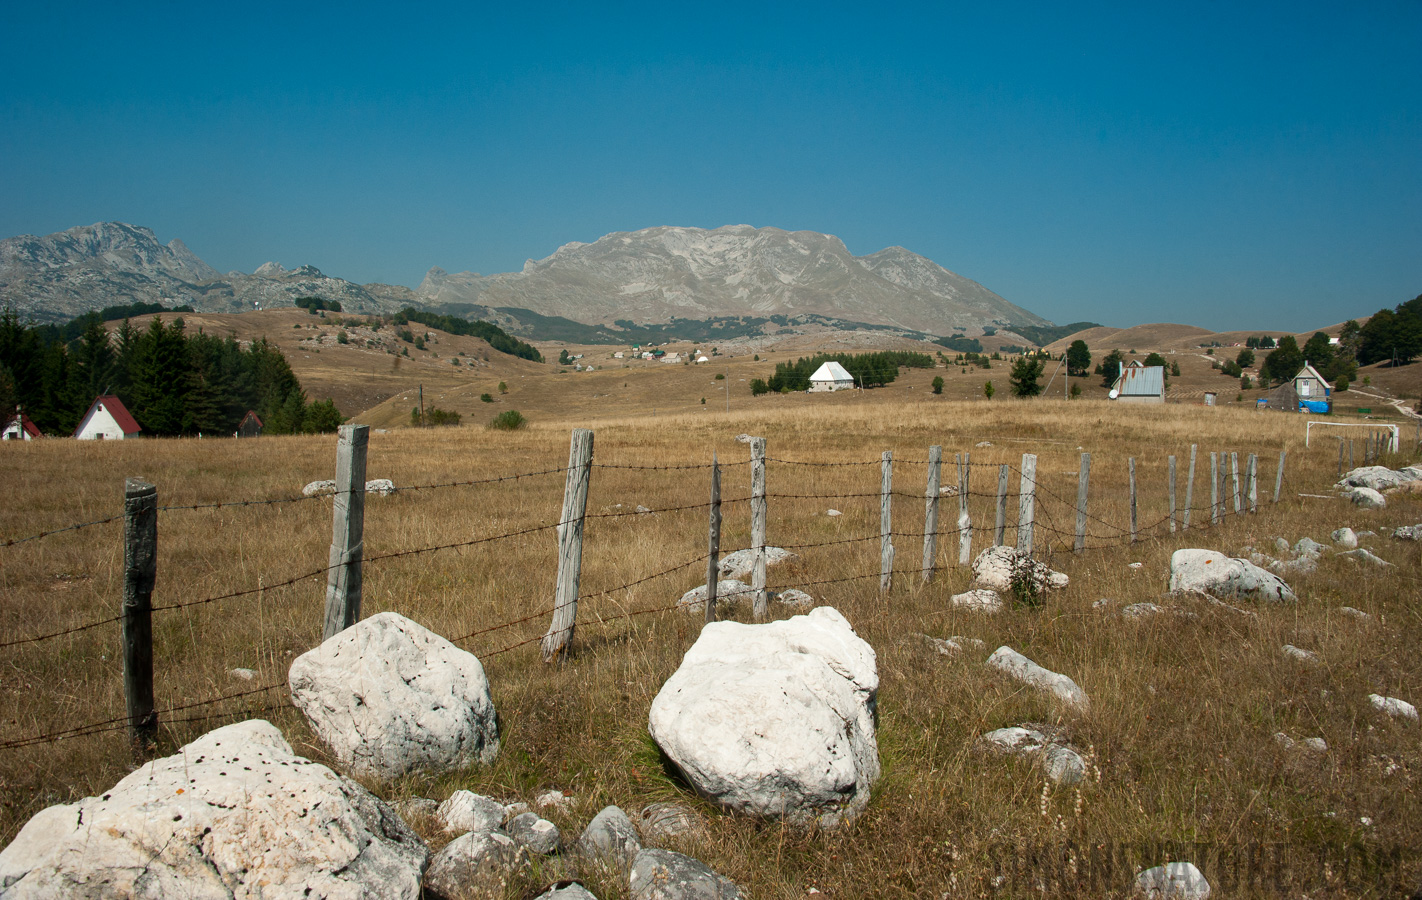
pixel 107 420
pixel 20 428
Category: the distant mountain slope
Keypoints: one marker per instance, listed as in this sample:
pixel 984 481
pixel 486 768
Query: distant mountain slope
pixel 657 274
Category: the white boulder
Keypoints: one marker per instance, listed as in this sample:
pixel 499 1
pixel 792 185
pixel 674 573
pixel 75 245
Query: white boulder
pixel 467 811
pixel 1364 555
pixel 1398 709
pixel 775 719
pixel 391 697
pixel 794 597
pixel 1308 657
pixel 1173 881
pixel 980 600
pixel 1367 498
pixel 1376 478
pixel 998 567
pixel 728 590
pixel 234 813
pixel 740 563
pixel 667 875
pixel 1014 664
pixel 1208 572
pixel 479 860
pixel 381 486
pixel 1061 763
pixel 317 488
pixel 1345 538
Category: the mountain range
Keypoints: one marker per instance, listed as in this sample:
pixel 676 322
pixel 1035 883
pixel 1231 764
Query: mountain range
pixel 652 276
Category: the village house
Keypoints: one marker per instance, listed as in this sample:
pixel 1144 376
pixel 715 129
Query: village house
pixel 107 419
pixel 1139 383
pixel 20 428
pixel 831 377
pixel 250 426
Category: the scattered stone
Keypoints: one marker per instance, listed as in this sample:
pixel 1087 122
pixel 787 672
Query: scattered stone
pixel 477 860
pixel 535 833
pixel 1103 603
pixel 1308 547
pixel 1134 565
pixel 1367 498
pixel 1061 763
pixel 1355 613
pixel 1408 533
pixel 1014 664
pixel 1362 554
pixel 794 597
pixel 1316 744
pixel 998 567
pixel 1398 709
pixel 235 812
pixel 1173 881
pixel 1283 740
pixel 242 674
pixel 1304 565
pixel 516 808
pixel 381 486
pixel 642 510
pixel 554 800
pixel 728 590
pixel 317 488
pixel 948 490
pixel 611 838
pixel 660 821
pixel 1141 610
pixel 775 719
pixel 743 438
pixel 467 811
pixel 1345 537
pixel 981 600
pixel 833 512
pixel 1282 546
pixel 983 444
pixel 566 890
pixel 1208 572
pixel 740 563
pixel 391 697
pixel 1303 656
pixel 951 646
pixel 666 875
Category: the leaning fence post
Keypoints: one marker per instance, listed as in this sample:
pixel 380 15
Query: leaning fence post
pixel 965 521
pixel 1189 492
pixel 1083 482
pixel 762 596
pixel 140 571
pixel 343 576
pixel 570 546
pixel 1279 479
pixel 1000 532
pixel 1234 473
pixel 1027 503
pixel 713 541
pixel 1252 479
pixel 1131 465
pixel 1214 489
pixel 1170 465
pixel 930 512
pixel 886 539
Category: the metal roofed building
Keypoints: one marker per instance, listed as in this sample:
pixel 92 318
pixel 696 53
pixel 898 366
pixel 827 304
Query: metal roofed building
pixel 831 377
pixel 1140 384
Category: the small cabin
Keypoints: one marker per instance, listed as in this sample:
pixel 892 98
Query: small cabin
pixel 831 377
pixel 251 425
pixel 1312 390
pixel 107 420
pixel 1139 383
pixel 20 428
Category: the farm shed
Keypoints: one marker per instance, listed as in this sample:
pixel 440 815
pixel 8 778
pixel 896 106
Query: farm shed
pixel 1140 384
pixel 107 419
pixel 831 377
pixel 20 428
pixel 250 426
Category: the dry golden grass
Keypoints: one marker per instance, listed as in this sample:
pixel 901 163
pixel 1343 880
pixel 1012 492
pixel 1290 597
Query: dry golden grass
pixel 1183 710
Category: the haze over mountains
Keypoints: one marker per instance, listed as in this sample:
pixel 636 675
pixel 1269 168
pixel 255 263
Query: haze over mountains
pixel 650 276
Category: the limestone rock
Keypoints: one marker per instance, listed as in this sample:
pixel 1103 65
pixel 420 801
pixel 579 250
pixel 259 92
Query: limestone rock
pixel 611 838
pixel 1014 664
pixel 235 812
pixel 381 486
pixel 554 800
pixel 1316 744
pixel 1408 533
pixel 951 646
pixel 1345 538
pixel 775 719
pixel 534 832
pixel 728 590
pixel 468 811
pixel 1355 613
pixel 474 861
pixel 1398 709
pixel 1304 656
pixel 1141 611
pixel 1061 762
pixel 1173 881
pixel 566 890
pixel 391 697
pixel 242 674
pixel 740 563
pixel 660 821
pixel 833 512
pixel 794 597
pixel 1375 478
pixel 316 488
pixel 665 875
pixel 1208 572
pixel 1364 555
pixel 743 438
pixel 1308 547
pixel 980 600
pixel 997 567
pixel 1367 498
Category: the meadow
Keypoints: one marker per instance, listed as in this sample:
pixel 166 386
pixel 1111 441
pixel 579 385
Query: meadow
pixel 1185 705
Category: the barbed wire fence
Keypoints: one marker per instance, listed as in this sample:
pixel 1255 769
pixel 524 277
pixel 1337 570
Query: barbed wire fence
pixel 1232 490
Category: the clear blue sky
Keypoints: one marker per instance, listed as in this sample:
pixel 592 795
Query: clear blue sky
pixel 1231 165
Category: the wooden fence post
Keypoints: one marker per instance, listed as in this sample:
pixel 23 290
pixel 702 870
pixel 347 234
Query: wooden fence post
pixel 930 512
pixel 1279 479
pixel 1214 489
pixel 1340 459
pixel 1170 466
pixel 559 639
pixel 1083 481
pixel 1000 532
pixel 343 577
pixel 965 521
pixel 1252 479
pixel 1131 466
pixel 1234 473
pixel 713 541
pixel 1351 466
pixel 1189 492
pixel 758 513
pixel 140 571
pixel 886 528
pixel 1027 503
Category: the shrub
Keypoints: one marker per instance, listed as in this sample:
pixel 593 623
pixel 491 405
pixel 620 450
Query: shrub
pixel 988 390
pixel 1244 383
pixel 1342 384
pixel 419 343
pixel 503 388
pixel 487 398
pixel 937 384
pixel 342 337
pixel 720 376
pixel 1075 391
pixel 1022 585
pixel 508 420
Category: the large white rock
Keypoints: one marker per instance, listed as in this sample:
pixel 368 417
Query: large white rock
pixel 1209 572
pixel 1345 537
pixel 1377 478
pixel 728 590
pixel 980 600
pixel 1398 709
pixel 391 697
pixel 478 861
pixel 1173 881
pixel 740 563
pixel 997 567
pixel 1367 498
pixel 775 719
pixel 233 814
pixel 1014 664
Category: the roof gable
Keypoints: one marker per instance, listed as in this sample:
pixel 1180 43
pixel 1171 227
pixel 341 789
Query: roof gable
pixel 1308 371
pixel 116 410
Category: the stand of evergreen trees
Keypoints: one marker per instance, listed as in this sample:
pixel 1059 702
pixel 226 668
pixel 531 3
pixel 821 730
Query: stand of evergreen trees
pixel 867 369
pixel 172 382
pixel 499 339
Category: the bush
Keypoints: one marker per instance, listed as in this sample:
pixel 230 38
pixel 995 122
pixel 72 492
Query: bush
pixel 342 337
pixel 1342 384
pixel 508 420
pixel 720 376
pixel 937 384
pixel 988 390
pixel 486 398
pixel 419 343
pixel 503 388
pixel 1244 383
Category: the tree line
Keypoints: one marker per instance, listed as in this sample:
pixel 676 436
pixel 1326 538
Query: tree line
pixel 173 382
pixel 867 369
pixel 497 338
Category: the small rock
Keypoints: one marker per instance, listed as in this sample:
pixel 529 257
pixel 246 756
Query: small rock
pixel 316 488
pixel 517 808
pixel 1303 656
pixel 998 567
pixel 1102 603
pixel 1367 498
pixel 474 860
pixel 1282 546
pixel 948 490
pixel 1061 763
pixel 467 811
pixel 794 597
pixel 743 439
pixel 1141 610
pixel 1316 744
pixel 728 590
pixel 660 821
pixel 983 444
pixel 243 674
pixel 1362 554
pixel 1283 740
pixel 833 512
pixel 1134 565
pixel 383 487
pixel 1010 662
pixel 666 875
pixel 1355 613
pixel 417 808
pixel 556 800
pixel 740 563
pixel 534 832
pixel 950 646
pixel 566 890
pixel 1304 565
pixel 1173 881
pixel 1308 547
pixel 1398 709
pixel 611 838
pixel 1345 537
pixel 642 510
pixel 981 600
pixel 1408 533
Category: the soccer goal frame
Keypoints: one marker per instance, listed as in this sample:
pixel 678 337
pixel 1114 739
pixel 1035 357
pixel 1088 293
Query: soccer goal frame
pixel 1376 426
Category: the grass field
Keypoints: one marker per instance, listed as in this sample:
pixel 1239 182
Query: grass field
pixel 1180 732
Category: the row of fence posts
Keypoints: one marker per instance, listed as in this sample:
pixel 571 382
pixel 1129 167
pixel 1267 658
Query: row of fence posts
pixel 1373 446
pixel 343 580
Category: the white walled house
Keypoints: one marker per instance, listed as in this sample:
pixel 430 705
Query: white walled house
pixel 831 377
pixel 107 420
pixel 20 428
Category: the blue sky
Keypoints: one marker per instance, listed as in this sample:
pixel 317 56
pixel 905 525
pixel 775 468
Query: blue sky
pixel 1220 164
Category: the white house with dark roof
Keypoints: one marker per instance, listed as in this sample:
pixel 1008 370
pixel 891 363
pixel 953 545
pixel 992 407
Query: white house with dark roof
pixel 107 420
pixel 831 377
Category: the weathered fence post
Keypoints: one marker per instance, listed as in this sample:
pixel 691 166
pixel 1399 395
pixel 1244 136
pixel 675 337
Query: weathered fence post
pixel 758 512
pixel 1351 466
pixel 1027 503
pixel 1214 489
pixel 343 577
pixel 1000 532
pixel 1170 466
pixel 1131 466
pixel 713 541
pixel 1252 479
pixel 140 571
pixel 1340 459
pixel 930 512
pixel 1279 479
pixel 1234 473
pixel 1083 482
pixel 559 638
pixel 886 528
pixel 965 521
pixel 1189 492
